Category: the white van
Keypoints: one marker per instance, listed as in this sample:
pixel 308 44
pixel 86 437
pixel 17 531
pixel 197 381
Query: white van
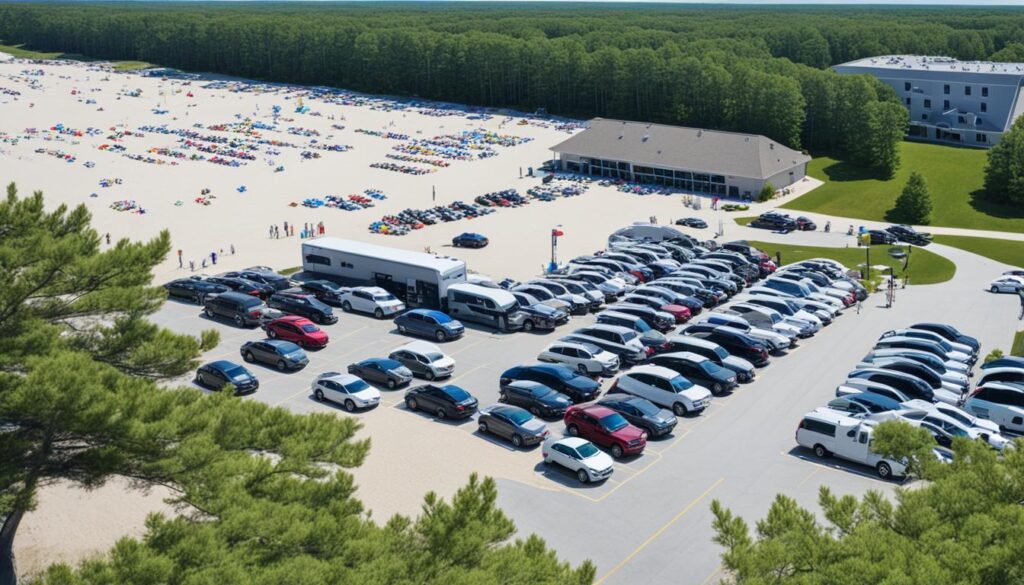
pixel 1001 403
pixel 830 433
pixel 494 307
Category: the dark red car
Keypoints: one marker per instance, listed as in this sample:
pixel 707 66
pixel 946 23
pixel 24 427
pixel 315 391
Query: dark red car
pixel 607 428
pixel 298 330
pixel 681 313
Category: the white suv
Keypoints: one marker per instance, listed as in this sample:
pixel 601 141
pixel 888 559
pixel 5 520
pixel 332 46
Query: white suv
pixel 586 358
pixel 345 389
pixel 663 387
pixel 1001 403
pixel 370 299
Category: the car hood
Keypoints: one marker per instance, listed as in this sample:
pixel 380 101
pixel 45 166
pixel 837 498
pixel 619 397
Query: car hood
pixel 583 383
pixel 402 372
pixel 534 426
pixel 628 433
pixel 738 363
pixel 366 394
pixel 557 400
pixel 664 417
pixel 599 462
pixel 445 362
pixel 696 393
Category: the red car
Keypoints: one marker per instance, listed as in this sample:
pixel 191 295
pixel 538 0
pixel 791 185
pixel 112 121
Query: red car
pixel 681 313
pixel 299 330
pixel 603 426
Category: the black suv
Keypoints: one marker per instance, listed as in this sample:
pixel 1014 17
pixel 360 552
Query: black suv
pixel 243 309
pixel 275 280
pixel 881 237
pixel 193 289
pixel 905 233
pixel 737 344
pixel 304 305
pixel 774 221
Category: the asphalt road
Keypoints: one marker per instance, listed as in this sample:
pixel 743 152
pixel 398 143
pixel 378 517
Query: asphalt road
pixel 651 522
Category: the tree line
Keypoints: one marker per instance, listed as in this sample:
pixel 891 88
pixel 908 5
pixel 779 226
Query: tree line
pixel 744 69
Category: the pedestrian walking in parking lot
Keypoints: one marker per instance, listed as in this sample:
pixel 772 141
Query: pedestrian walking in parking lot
pixel 286 229
pixel 192 265
pixel 1020 293
pixel 213 258
pixel 180 262
pixel 232 249
pixel 859 306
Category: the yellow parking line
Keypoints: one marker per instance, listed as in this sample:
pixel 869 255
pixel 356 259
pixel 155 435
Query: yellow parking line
pixel 809 476
pixel 305 390
pixel 350 333
pixel 659 532
pixel 464 374
pixel 713 574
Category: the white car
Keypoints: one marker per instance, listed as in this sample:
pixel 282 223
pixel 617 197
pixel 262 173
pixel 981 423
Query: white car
pixel 663 387
pixel 370 299
pixel 1006 284
pixel 586 358
pixel 579 456
pixel 1001 403
pixel 345 389
pixel 955 421
pixel 424 359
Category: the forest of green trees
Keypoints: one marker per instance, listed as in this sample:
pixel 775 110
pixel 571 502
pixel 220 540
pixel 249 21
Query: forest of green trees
pixel 747 69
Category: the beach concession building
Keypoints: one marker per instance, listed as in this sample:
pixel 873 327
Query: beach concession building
pixel 960 102
pixel 690 159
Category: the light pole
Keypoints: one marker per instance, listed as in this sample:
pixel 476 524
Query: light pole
pixel 555 233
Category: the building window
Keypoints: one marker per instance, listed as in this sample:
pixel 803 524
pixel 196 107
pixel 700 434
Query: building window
pixel 983 138
pixel 945 104
pixel 924 116
pixel 960 119
pixel 984 92
pixel 967 90
pixel 908 101
pixel 317 259
pixel 927 103
pixel 945 89
pixel 984 107
pixel 906 86
pixel 977 121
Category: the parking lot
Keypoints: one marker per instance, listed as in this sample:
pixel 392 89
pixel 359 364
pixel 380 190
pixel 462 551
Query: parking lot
pixel 740 451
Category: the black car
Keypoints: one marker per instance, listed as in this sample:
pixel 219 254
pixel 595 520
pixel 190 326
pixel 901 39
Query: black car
pixel 303 305
pixel 949 333
pixel 535 397
pixel 388 372
pixel 905 233
pixel 557 377
pixel 244 286
pixel 699 370
pixel 193 289
pixel 737 344
pixel 220 373
pixel 641 412
pixel 881 237
pixel 805 224
pixel 244 310
pixel 273 279
pixel 541 316
pixel 774 221
pixel 1007 361
pixel 324 290
pixel 444 401
pixel 694 222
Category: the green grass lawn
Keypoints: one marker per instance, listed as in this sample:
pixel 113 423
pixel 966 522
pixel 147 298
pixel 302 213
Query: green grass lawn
pixel 925 267
pixel 954 175
pixel 1006 251
pixel 21 52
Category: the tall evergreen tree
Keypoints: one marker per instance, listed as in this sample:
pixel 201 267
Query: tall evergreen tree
pixel 914 204
pixel 1004 173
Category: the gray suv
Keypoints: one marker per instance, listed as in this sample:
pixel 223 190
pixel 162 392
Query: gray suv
pixel 243 309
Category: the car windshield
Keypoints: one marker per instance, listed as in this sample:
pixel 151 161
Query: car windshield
pixel 329 285
pixel 613 422
pixel 384 297
pixel 645 406
pixel 587 450
pixel 641 326
pixel 774 317
pixel 562 373
pixel 519 417
pixel 310 328
pixel 457 394
pixel 680 383
pixel 357 386
pixel 389 364
pixel 720 352
pixel 540 392
pixel 441 318
pixel 236 372
pixel 709 367
pixel 629 335
pixel 297 354
pixel 434 356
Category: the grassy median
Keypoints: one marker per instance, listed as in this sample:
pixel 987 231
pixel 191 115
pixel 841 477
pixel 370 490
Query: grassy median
pixel 925 267
pixel 1006 251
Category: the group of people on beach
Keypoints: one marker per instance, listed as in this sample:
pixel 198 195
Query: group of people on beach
pixel 309 230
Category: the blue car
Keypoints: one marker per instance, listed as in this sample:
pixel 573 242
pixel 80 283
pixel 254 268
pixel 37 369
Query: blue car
pixel 470 240
pixel 429 323
pixel 216 375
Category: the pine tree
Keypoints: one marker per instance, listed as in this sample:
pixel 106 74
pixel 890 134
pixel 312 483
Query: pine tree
pixel 914 204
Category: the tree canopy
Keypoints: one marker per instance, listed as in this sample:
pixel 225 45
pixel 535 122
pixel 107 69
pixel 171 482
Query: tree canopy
pixel 1004 174
pixel 263 493
pixel 748 69
pixel 962 524
pixel 914 204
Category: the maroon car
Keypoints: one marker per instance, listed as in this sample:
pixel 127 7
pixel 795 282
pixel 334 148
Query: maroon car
pixel 607 428
pixel 298 330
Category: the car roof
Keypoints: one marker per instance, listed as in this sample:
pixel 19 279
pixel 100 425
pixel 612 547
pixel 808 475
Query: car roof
pixel 293 319
pixel 685 355
pixel 282 344
pixel 430 312
pixel 420 347
pixel 574 442
pixel 378 360
pixel 596 410
pixel 659 371
pixel 526 384
pixel 373 290
pixel 339 377
pixel 833 417
pixel 577 345
pixel 223 364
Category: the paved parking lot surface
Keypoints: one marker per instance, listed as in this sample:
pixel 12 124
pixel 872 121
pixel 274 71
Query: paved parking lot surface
pixel 650 523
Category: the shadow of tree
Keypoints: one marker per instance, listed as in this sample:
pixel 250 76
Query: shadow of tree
pixel 980 201
pixel 842 170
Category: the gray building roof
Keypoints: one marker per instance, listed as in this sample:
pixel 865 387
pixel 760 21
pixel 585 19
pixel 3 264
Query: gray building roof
pixel 939 64
pixel 678 147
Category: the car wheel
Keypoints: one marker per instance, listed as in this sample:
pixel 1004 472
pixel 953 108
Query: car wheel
pixel 209 313
pixel 820 451
pixel 502 397
pixel 716 389
pixel 527 325
pixel 617 451
pixel 440 413
pixel 429 375
pixel 581 474
pixel 249 357
pixel 582 368
pixel 535 411
pixel 440 335
pixel 200 380
pixel 318 318
pixel 200 299
pixel 271 333
pixel 573 430
pixel 319 395
pixel 350 406
pixel 483 427
pixel 391 384
pixel 884 471
pixel 346 306
pixel 401 329
pixel 517 441
pixel 411 403
pixel 994 289
pixel 679 409
pixel 378 314
pixel 239 321
pixel 281 366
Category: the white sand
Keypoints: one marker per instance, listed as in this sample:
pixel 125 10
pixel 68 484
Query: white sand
pixel 73 524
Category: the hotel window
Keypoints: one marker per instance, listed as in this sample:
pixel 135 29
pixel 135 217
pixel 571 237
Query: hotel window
pixel 984 107
pixel 945 104
pixel 908 101
pixel 924 116
pixel 945 89
pixel 906 86
pixel 984 92
pixel 967 90
pixel 927 103
pixel 981 138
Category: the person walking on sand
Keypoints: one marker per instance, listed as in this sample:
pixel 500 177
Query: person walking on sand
pixel 192 265
pixel 213 258
pixel 272 226
pixel 181 263
pixel 232 249
pixel 286 229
